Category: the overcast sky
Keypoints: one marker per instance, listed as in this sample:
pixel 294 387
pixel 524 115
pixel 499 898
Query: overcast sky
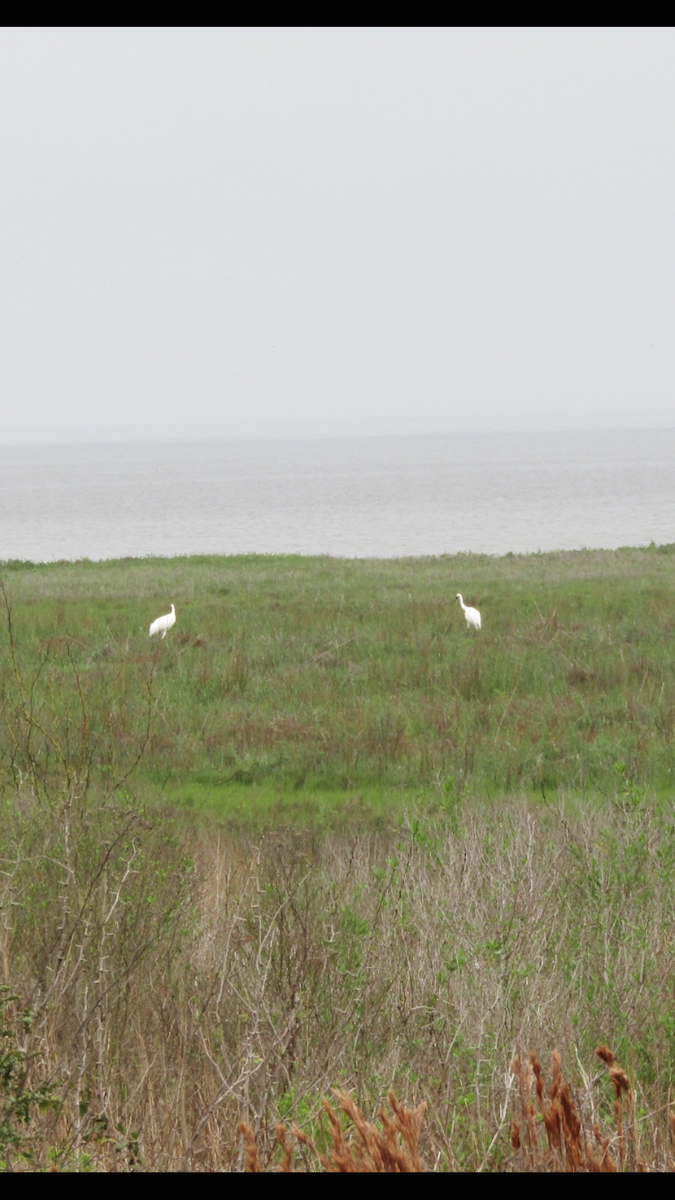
pixel 229 233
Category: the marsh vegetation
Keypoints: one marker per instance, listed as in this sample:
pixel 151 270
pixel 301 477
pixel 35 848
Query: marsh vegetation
pixel 325 837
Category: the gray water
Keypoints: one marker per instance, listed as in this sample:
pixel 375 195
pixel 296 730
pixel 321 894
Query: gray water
pixel 354 497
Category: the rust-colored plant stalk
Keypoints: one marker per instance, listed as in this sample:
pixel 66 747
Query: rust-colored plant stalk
pixel 623 1108
pixel 250 1147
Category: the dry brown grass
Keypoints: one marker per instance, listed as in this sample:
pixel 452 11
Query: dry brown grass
pixel 171 1002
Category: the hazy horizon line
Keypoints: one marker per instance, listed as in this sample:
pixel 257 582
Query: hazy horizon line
pixel 335 437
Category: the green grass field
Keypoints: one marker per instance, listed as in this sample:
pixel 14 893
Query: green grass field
pixel 299 685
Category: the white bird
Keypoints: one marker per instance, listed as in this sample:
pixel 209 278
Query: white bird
pixel 472 614
pixel 163 624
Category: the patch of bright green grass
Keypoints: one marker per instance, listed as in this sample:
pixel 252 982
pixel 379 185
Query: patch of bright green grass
pixel 263 804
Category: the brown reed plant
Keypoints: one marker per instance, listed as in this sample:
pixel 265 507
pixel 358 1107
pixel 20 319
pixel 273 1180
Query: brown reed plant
pixel 251 1157
pixel 624 1111
pixel 358 1147
pixel 569 1144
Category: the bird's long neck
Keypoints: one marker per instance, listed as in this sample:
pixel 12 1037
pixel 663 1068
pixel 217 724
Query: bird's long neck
pixel 459 597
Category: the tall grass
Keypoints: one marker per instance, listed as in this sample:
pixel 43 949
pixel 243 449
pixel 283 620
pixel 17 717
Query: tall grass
pixel 170 1000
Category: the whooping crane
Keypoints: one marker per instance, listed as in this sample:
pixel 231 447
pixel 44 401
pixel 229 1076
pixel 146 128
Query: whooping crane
pixel 163 624
pixel 472 614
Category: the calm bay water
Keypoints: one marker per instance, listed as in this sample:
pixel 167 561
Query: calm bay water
pixel 357 497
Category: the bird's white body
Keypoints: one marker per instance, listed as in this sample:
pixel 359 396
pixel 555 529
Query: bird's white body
pixel 472 614
pixel 163 624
